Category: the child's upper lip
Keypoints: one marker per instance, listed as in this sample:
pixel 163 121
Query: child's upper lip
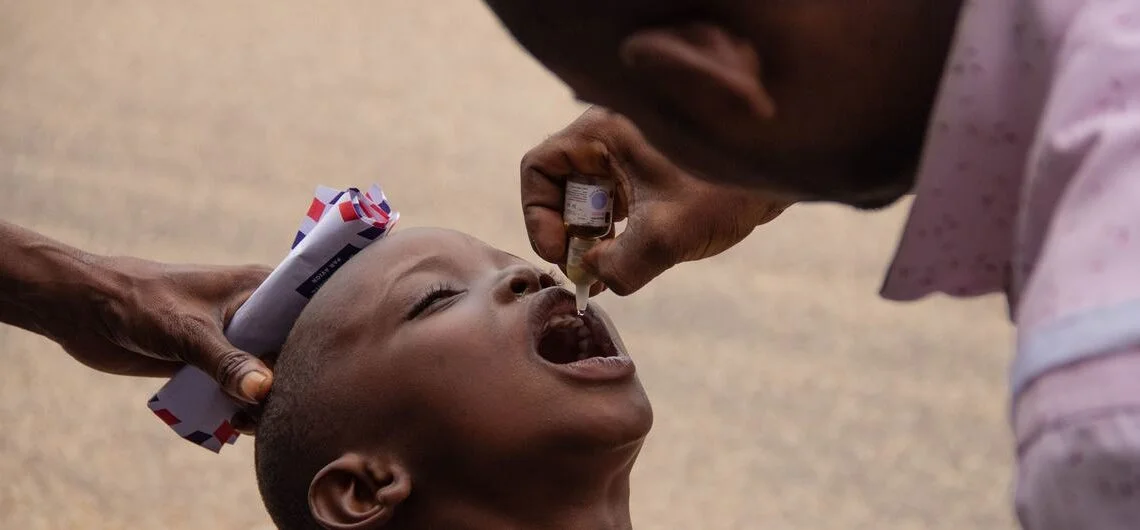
pixel 547 303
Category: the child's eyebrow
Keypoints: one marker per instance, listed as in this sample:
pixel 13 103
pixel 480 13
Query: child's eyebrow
pixel 430 262
pixel 500 254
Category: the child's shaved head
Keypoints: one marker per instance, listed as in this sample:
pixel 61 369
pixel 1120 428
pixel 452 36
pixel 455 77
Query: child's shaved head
pixel 816 99
pixel 435 380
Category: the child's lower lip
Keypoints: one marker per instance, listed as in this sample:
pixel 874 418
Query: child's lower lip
pixel 597 369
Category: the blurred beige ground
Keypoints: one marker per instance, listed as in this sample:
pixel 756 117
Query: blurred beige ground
pixel 787 395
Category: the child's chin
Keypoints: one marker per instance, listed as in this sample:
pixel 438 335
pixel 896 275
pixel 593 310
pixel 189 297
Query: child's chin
pixel 618 422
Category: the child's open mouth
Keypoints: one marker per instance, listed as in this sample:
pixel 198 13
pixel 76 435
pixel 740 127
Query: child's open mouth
pixel 578 345
pixel 567 339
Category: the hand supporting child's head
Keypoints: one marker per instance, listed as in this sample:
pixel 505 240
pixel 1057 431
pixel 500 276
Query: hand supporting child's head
pixel 435 378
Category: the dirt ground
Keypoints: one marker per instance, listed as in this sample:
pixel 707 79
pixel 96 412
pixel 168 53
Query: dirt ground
pixel 787 395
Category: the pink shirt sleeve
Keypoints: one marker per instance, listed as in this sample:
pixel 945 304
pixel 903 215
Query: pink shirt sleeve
pixel 1078 242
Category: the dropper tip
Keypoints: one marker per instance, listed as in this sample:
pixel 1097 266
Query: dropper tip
pixel 582 296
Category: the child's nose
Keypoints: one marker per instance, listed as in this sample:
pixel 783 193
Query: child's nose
pixel 521 280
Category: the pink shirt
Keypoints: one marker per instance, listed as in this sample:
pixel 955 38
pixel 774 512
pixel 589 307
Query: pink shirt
pixel 1030 180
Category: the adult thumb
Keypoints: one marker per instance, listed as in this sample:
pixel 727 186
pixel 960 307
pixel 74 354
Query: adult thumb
pixel 629 261
pixel 240 374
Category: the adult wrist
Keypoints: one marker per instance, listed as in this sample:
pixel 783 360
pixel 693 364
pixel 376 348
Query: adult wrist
pixel 50 288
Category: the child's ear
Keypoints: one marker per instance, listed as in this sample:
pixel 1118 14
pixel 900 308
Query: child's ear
pixel 358 492
pixel 704 72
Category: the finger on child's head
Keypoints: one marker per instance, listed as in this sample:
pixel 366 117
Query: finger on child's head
pixel 241 375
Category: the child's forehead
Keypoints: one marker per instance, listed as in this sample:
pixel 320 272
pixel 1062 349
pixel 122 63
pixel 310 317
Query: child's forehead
pixel 438 243
pixel 387 272
pixel 417 249
pixel 426 239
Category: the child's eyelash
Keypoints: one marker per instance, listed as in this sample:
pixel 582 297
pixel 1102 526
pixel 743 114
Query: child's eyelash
pixel 442 290
pixel 432 295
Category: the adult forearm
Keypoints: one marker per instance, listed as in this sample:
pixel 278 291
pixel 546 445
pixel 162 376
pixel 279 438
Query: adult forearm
pixel 47 287
pixel 130 316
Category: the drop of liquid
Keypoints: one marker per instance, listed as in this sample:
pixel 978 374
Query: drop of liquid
pixel 582 297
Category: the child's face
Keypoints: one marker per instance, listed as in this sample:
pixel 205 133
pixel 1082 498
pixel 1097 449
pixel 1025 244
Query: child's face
pixel 819 99
pixel 461 354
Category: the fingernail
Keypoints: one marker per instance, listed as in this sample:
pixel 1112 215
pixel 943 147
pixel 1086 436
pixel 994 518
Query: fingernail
pixel 252 386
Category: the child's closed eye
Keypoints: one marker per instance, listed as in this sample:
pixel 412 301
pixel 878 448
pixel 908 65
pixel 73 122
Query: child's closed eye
pixel 437 293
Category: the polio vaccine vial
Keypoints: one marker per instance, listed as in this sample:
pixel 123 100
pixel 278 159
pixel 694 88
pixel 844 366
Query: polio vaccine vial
pixel 588 216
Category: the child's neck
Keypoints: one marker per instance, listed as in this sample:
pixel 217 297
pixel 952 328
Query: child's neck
pixel 602 514
pixel 559 497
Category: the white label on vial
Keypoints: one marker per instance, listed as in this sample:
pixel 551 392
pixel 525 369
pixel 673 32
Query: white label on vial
pixel 588 204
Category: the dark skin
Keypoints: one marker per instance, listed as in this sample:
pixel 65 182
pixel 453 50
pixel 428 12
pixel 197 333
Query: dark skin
pixel 489 434
pixel 605 143
pixel 768 101
pixel 130 316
